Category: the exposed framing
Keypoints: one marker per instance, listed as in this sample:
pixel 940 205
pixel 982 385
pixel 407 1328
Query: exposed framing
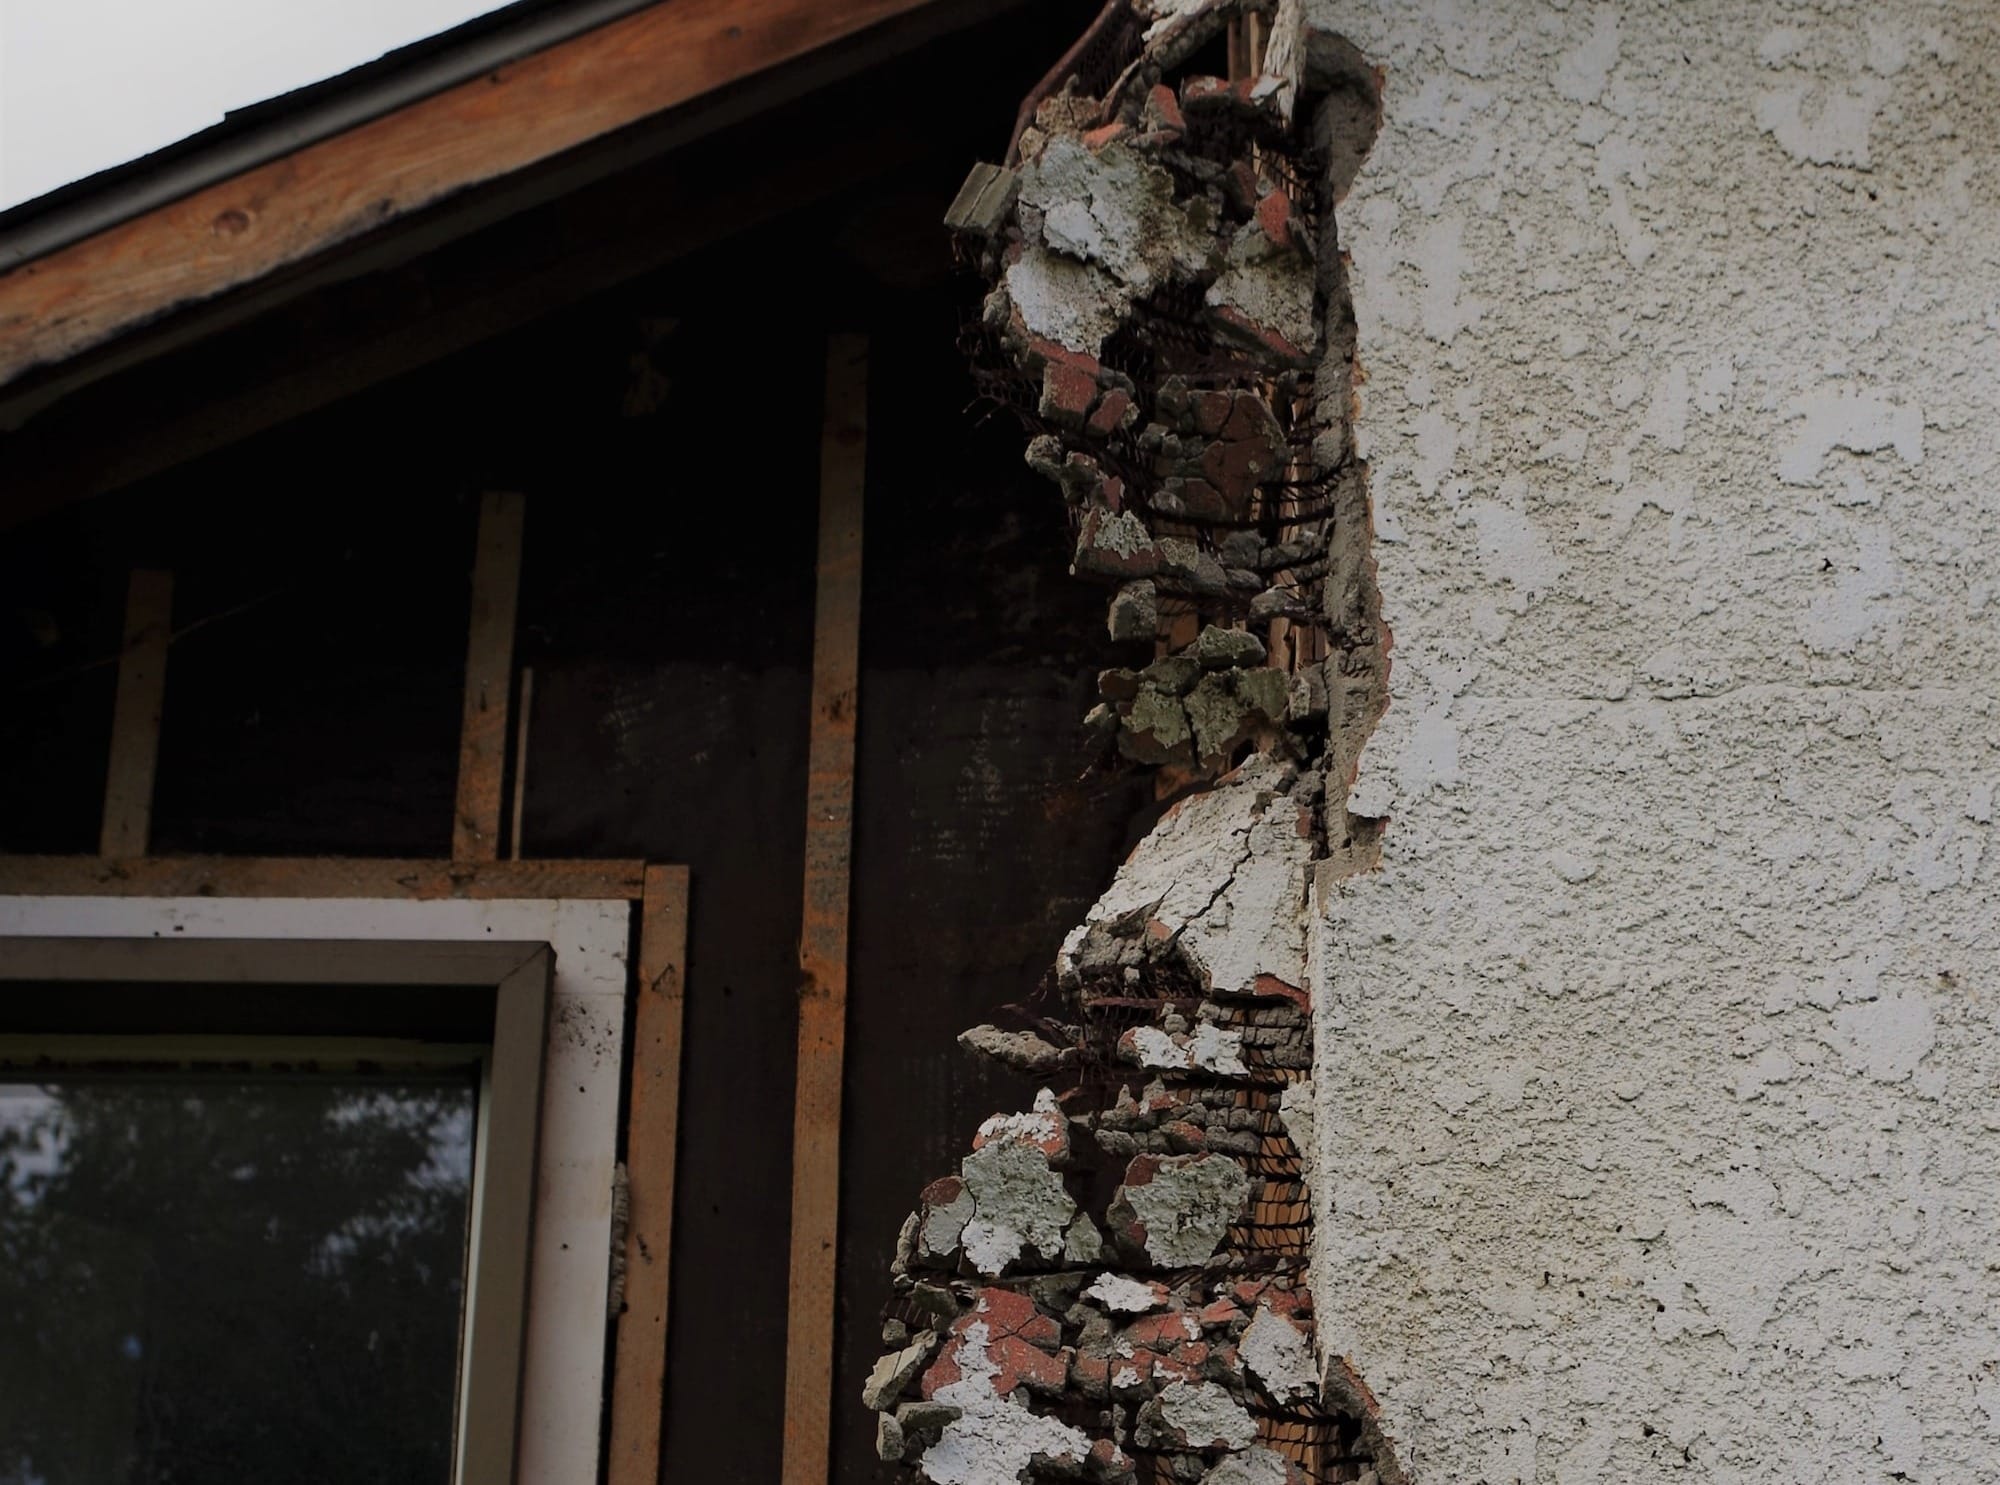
pixel 652 1135
pixel 822 1046
pixel 505 1144
pixel 489 676
pixel 326 876
pixel 135 718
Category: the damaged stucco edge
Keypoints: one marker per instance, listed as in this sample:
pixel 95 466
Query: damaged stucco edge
pixel 1347 116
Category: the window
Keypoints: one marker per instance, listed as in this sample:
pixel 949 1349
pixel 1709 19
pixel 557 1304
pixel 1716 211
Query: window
pixel 559 1419
pixel 267 1207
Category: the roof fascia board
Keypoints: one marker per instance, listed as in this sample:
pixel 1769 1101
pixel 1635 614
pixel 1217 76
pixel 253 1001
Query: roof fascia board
pixel 250 137
pixel 278 214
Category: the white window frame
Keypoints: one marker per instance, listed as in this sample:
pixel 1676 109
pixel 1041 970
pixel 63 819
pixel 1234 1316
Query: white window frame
pixel 561 1377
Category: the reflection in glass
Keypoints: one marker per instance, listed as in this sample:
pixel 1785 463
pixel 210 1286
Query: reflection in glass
pixel 216 1278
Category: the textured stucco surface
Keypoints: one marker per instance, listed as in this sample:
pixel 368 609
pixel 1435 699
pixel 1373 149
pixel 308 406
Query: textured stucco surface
pixel 1659 1113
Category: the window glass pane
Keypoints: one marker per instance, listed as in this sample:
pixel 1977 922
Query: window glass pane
pixel 212 1277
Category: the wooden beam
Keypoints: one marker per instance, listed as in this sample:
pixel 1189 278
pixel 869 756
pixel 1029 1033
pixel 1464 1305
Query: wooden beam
pixel 135 715
pixel 489 678
pixel 525 706
pixel 652 1134
pixel 823 937
pixel 242 229
pixel 340 876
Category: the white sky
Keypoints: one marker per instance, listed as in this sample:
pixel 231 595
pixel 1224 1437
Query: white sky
pixel 86 84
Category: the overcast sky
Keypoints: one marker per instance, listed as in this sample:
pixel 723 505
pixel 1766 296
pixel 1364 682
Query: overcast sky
pixel 85 84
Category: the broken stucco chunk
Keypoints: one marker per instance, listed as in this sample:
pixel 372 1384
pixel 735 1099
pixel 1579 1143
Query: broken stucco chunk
pixel 1022 1051
pixel 1216 648
pixel 947 1207
pixel 1043 1130
pixel 1135 612
pixel 1073 304
pixel 1125 1295
pixel 1198 705
pixel 1255 1467
pixel 1210 1048
pixel 895 1371
pixel 1175 1210
pixel 1281 1356
pixel 1224 874
pixel 1019 1205
pixel 985 201
pixel 1194 1415
pixel 1267 291
pixel 1114 208
pixel 995 1437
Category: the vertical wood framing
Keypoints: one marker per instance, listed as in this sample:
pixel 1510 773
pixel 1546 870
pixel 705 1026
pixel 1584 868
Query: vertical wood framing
pixel 638 1379
pixel 135 716
pixel 525 706
pixel 489 672
pixel 823 939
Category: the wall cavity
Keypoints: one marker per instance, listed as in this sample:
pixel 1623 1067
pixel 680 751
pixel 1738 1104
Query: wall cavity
pixel 1113 1284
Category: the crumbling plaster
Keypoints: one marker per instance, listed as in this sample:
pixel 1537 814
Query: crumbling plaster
pixel 1658 1120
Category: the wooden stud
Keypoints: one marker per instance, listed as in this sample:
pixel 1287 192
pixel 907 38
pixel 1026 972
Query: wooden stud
pixel 489 673
pixel 245 228
pixel 525 708
pixel 638 1379
pixel 337 876
pixel 823 939
pixel 135 715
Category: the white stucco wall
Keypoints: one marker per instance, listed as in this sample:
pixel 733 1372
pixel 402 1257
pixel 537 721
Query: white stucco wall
pixel 1659 1063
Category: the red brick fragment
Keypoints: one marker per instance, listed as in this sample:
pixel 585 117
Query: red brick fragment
pixel 1264 335
pixel 1022 1365
pixel 1218 1313
pixel 943 1372
pixel 1184 1136
pixel 1267 984
pixel 1110 413
pixel 1211 411
pixel 1247 1292
pixel 1274 218
pixel 1159 1332
pixel 1290 1304
pixel 1008 1312
pixel 943 1191
pixel 1131 1376
pixel 1185 1363
pixel 1067 392
pixel 1090 1375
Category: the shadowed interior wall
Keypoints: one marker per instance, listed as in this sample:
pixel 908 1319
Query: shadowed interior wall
pixel 666 436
